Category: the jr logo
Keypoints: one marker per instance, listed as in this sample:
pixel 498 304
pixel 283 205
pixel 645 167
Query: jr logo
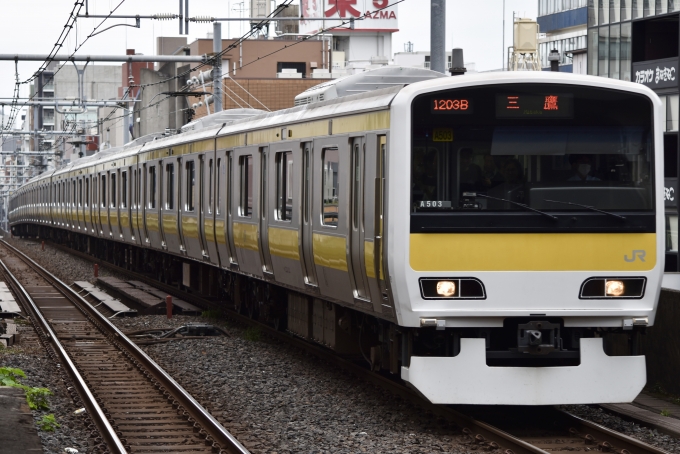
pixel 637 254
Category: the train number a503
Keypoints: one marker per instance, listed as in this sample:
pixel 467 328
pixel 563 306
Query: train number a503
pixel 435 204
pixel 442 135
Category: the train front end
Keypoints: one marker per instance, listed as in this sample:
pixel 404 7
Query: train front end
pixel 526 251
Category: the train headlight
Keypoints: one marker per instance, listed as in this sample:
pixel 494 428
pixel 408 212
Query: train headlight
pixel 446 288
pixel 614 288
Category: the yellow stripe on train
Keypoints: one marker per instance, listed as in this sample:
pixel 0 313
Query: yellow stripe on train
pixel 533 251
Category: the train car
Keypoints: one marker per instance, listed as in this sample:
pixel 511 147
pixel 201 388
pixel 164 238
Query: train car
pixel 491 238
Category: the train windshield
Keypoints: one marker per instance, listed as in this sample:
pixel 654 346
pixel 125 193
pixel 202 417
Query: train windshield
pixel 547 147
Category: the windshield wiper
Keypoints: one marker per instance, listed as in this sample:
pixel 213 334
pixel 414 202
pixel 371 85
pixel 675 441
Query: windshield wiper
pixel 526 207
pixel 588 207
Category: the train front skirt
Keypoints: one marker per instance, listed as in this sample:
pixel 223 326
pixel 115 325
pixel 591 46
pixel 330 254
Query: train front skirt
pixel 466 379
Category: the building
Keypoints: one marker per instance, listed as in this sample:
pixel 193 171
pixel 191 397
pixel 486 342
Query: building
pixel 360 44
pixel 564 24
pixel 637 41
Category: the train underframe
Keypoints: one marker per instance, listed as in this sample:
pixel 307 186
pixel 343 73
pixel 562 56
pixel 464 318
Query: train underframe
pixel 523 342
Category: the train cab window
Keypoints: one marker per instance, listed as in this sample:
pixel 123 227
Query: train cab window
pixel 210 186
pixel 103 191
pixel 330 187
pixel 191 185
pixel 284 186
pixel 170 186
pixel 152 187
pixel 246 171
pixel 515 148
pixel 113 190
pixel 123 189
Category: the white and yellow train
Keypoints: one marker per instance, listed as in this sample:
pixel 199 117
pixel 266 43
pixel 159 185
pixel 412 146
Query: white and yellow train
pixel 483 236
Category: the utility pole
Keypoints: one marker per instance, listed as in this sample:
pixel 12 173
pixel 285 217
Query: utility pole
pixel 504 51
pixel 217 66
pixel 438 35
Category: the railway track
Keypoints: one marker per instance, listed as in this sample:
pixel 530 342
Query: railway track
pixel 506 430
pixel 134 406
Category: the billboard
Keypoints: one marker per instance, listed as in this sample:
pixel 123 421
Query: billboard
pixel 377 15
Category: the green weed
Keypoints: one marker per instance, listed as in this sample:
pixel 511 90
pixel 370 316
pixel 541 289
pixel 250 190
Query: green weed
pixel 665 412
pixel 48 423
pixel 252 334
pixel 9 376
pixel 211 313
pixel 35 397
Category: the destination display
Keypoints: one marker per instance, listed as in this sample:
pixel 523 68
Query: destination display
pixel 547 105
pixel 451 106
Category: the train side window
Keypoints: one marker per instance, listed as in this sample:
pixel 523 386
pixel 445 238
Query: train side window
pixel 123 189
pixel 152 187
pixel 113 190
pixel 220 170
pixel 246 170
pixel 170 186
pixel 330 187
pixel 73 196
pixel 191 185
pixel 87 192
pixel 80 192
pixel 210 186
pixel 284 186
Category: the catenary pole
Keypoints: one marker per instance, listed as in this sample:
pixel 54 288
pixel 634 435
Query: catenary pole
pixel 217 66
pixel 438 35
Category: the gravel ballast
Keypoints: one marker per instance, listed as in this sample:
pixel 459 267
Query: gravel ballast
pixel 277 399
pixel 42 372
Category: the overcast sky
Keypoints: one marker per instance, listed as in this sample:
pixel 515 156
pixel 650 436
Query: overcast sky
pixel 33 27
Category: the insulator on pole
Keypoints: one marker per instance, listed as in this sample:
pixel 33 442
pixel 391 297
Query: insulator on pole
pixel 165 16
pixel 202 19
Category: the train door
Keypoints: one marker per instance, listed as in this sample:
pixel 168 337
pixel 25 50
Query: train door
pixel 104 204
pixel 87 209
pixel 125 205
pixel 245 211
pixel 284 171
pixel 144 202
pixel 210 208
pixel 152 209
pixel 169 206
pixel 114 204
pixel 306 243
pixel 202 202
pixel 221 203
pixel 230 187
pixel 265 253
pixel 190 199
pixel 330 220
pixel 356 225
pixel 80 209
pixel 137 208
pixel 372 199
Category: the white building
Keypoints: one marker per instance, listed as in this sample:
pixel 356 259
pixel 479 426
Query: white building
pixel 364 44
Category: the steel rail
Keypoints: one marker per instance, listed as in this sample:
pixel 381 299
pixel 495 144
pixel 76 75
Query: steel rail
pixel 482 433
pixel 216 432
pixel 93 409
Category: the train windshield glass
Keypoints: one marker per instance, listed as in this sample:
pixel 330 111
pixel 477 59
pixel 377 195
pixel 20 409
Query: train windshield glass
pixel 550 147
